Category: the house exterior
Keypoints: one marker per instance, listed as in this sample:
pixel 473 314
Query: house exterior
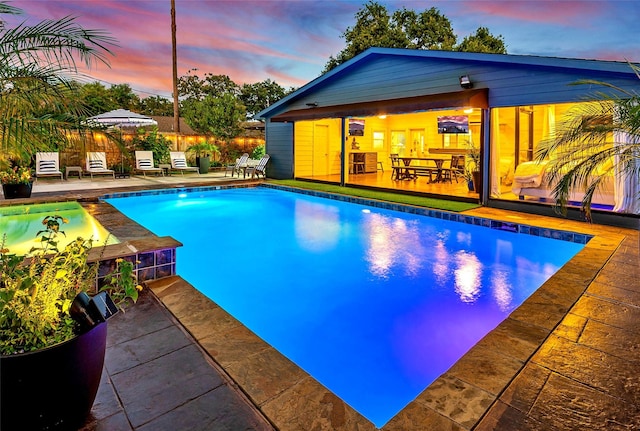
pixel 421 105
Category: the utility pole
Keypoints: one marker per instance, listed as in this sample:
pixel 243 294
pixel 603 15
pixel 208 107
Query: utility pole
pixel 176 106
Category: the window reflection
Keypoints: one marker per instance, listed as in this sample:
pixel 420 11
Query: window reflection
pixel 392 243
pixel 468 272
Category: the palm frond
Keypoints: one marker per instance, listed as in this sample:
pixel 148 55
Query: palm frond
pixel 39 101
pixel 582 152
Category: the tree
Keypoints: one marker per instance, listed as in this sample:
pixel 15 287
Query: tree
pixel 427 30
pixel 39 102
pixel 156 105
pixel 96 98
pixel 483 41
pixel 408 29
pixel 124 97
pixel 215 116
pixel 260 95
pixel 581 153
pixel 191 86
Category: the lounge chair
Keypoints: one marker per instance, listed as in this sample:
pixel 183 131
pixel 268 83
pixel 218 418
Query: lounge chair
pixel 97 165
pixel 48 165
pixel 259 169
pixel 179 163
pixel 239 165
pixel 144 163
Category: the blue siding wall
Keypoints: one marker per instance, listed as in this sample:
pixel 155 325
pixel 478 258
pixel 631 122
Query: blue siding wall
pixel 393 77
pixel 279 145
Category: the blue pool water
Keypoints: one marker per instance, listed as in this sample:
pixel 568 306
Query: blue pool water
pixel 374 303
pixel 21 223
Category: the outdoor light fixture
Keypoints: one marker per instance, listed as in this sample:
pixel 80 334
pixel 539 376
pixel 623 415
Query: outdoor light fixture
pixel 465 82
pixel 312 104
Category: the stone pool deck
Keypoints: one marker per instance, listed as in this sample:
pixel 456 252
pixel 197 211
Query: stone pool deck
pixel 566 359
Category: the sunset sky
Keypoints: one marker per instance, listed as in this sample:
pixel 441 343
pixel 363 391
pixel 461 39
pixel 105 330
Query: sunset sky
pixel 289 42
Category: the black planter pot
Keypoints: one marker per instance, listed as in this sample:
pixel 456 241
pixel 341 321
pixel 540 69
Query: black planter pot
pixel 53 388
pixel 203 164
pixel 16 191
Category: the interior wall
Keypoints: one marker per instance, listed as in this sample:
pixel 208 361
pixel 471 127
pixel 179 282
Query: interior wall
pixel 308 145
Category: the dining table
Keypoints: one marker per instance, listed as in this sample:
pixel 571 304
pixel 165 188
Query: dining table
pixel 411 171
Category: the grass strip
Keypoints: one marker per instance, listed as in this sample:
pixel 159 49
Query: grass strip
pixel 427 202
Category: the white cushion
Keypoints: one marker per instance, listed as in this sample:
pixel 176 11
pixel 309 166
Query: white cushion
pixel 47 166
pixel 145 163
pixel 95 164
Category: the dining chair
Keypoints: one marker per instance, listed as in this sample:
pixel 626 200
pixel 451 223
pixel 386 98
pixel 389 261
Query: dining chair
pixel 455 168
pixel 395 165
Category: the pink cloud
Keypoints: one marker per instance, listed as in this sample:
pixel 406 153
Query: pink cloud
pixel 570 13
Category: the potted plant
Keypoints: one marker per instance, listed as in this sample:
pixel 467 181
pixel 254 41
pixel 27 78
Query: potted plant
pixel 16 182
pixel 203 151
pixel 52 334
pixel 472 168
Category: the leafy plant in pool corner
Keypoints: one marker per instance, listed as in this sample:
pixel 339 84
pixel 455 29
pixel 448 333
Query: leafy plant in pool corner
pixel 37 290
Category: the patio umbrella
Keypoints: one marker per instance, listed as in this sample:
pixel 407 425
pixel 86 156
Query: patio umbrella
pixel 121 118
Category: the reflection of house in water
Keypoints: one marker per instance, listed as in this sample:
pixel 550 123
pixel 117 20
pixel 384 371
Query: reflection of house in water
pixel 412 103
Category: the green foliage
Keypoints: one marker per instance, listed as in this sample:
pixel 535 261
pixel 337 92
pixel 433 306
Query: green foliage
pixel 151 140
pixel 230 152
pixel 36 291
pixel 258 152
pixel 194 88
pixel 483 41
pixel 472 160
pixel 36 294
pixel 15 175
pixel 39 101
pixel 407 29
pixel 217 116
pixel 122 284
pixel 203 149
pixel 156 105
pixel 99 98
pixel 258 96
pixel 48 238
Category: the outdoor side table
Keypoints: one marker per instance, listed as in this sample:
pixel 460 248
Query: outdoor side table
pixel 71 169
pixel 166 168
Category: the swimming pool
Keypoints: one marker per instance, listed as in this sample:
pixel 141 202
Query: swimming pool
pixel 21 223
pixel 375 304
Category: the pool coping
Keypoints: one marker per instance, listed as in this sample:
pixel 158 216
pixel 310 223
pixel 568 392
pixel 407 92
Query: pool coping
pixel 458 399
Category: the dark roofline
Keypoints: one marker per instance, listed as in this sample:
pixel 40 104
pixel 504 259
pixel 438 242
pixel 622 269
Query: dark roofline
pixel 527 60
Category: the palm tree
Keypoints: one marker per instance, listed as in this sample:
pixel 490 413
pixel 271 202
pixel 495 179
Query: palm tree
pixel 38 97
pixel 592 136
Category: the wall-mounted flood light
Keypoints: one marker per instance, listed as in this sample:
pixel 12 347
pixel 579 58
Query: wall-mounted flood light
pixel 312 104
pixel 465 82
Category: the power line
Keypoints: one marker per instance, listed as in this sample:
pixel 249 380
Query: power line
pixel 90 78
